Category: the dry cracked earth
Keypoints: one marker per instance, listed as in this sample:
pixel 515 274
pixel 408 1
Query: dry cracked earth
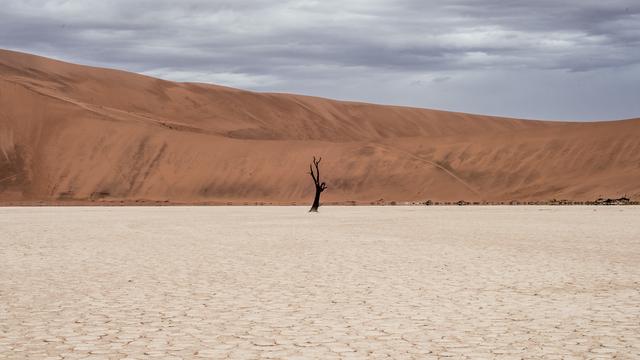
pixel 347 283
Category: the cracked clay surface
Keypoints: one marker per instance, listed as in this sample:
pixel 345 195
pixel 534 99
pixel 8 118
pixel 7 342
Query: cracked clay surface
pixel 347 283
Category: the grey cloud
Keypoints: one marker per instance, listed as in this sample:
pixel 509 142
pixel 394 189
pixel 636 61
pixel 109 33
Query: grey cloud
pixel 370 50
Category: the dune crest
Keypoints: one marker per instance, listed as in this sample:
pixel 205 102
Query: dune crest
pixel 77 133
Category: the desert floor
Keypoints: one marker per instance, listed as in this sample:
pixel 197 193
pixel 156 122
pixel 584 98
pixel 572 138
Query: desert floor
pixel 349 282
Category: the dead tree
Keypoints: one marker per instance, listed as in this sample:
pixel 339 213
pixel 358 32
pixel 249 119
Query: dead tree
pixel 320 187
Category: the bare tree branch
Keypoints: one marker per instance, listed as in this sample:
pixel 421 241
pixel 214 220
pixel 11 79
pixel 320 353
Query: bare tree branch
pixel 315 180
pixel 317 169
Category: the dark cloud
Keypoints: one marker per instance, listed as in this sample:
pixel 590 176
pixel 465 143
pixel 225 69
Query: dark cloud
pixel 502 57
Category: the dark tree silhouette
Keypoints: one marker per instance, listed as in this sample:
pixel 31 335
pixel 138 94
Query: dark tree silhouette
pixel 320 187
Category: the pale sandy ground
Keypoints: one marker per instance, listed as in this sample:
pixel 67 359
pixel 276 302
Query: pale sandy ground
pixel 363 282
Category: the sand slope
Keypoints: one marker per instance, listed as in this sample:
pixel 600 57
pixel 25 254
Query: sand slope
pixel 76 132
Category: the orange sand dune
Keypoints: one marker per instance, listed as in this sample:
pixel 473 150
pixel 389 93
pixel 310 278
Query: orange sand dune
pixel 71 132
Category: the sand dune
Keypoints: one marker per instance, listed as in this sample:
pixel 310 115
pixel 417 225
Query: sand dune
pixel 78 133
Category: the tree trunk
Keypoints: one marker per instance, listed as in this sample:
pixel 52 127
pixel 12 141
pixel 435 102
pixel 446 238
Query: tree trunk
pixel 316 201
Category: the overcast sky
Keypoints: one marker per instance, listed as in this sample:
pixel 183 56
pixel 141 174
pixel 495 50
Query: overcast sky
pixel 544 59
